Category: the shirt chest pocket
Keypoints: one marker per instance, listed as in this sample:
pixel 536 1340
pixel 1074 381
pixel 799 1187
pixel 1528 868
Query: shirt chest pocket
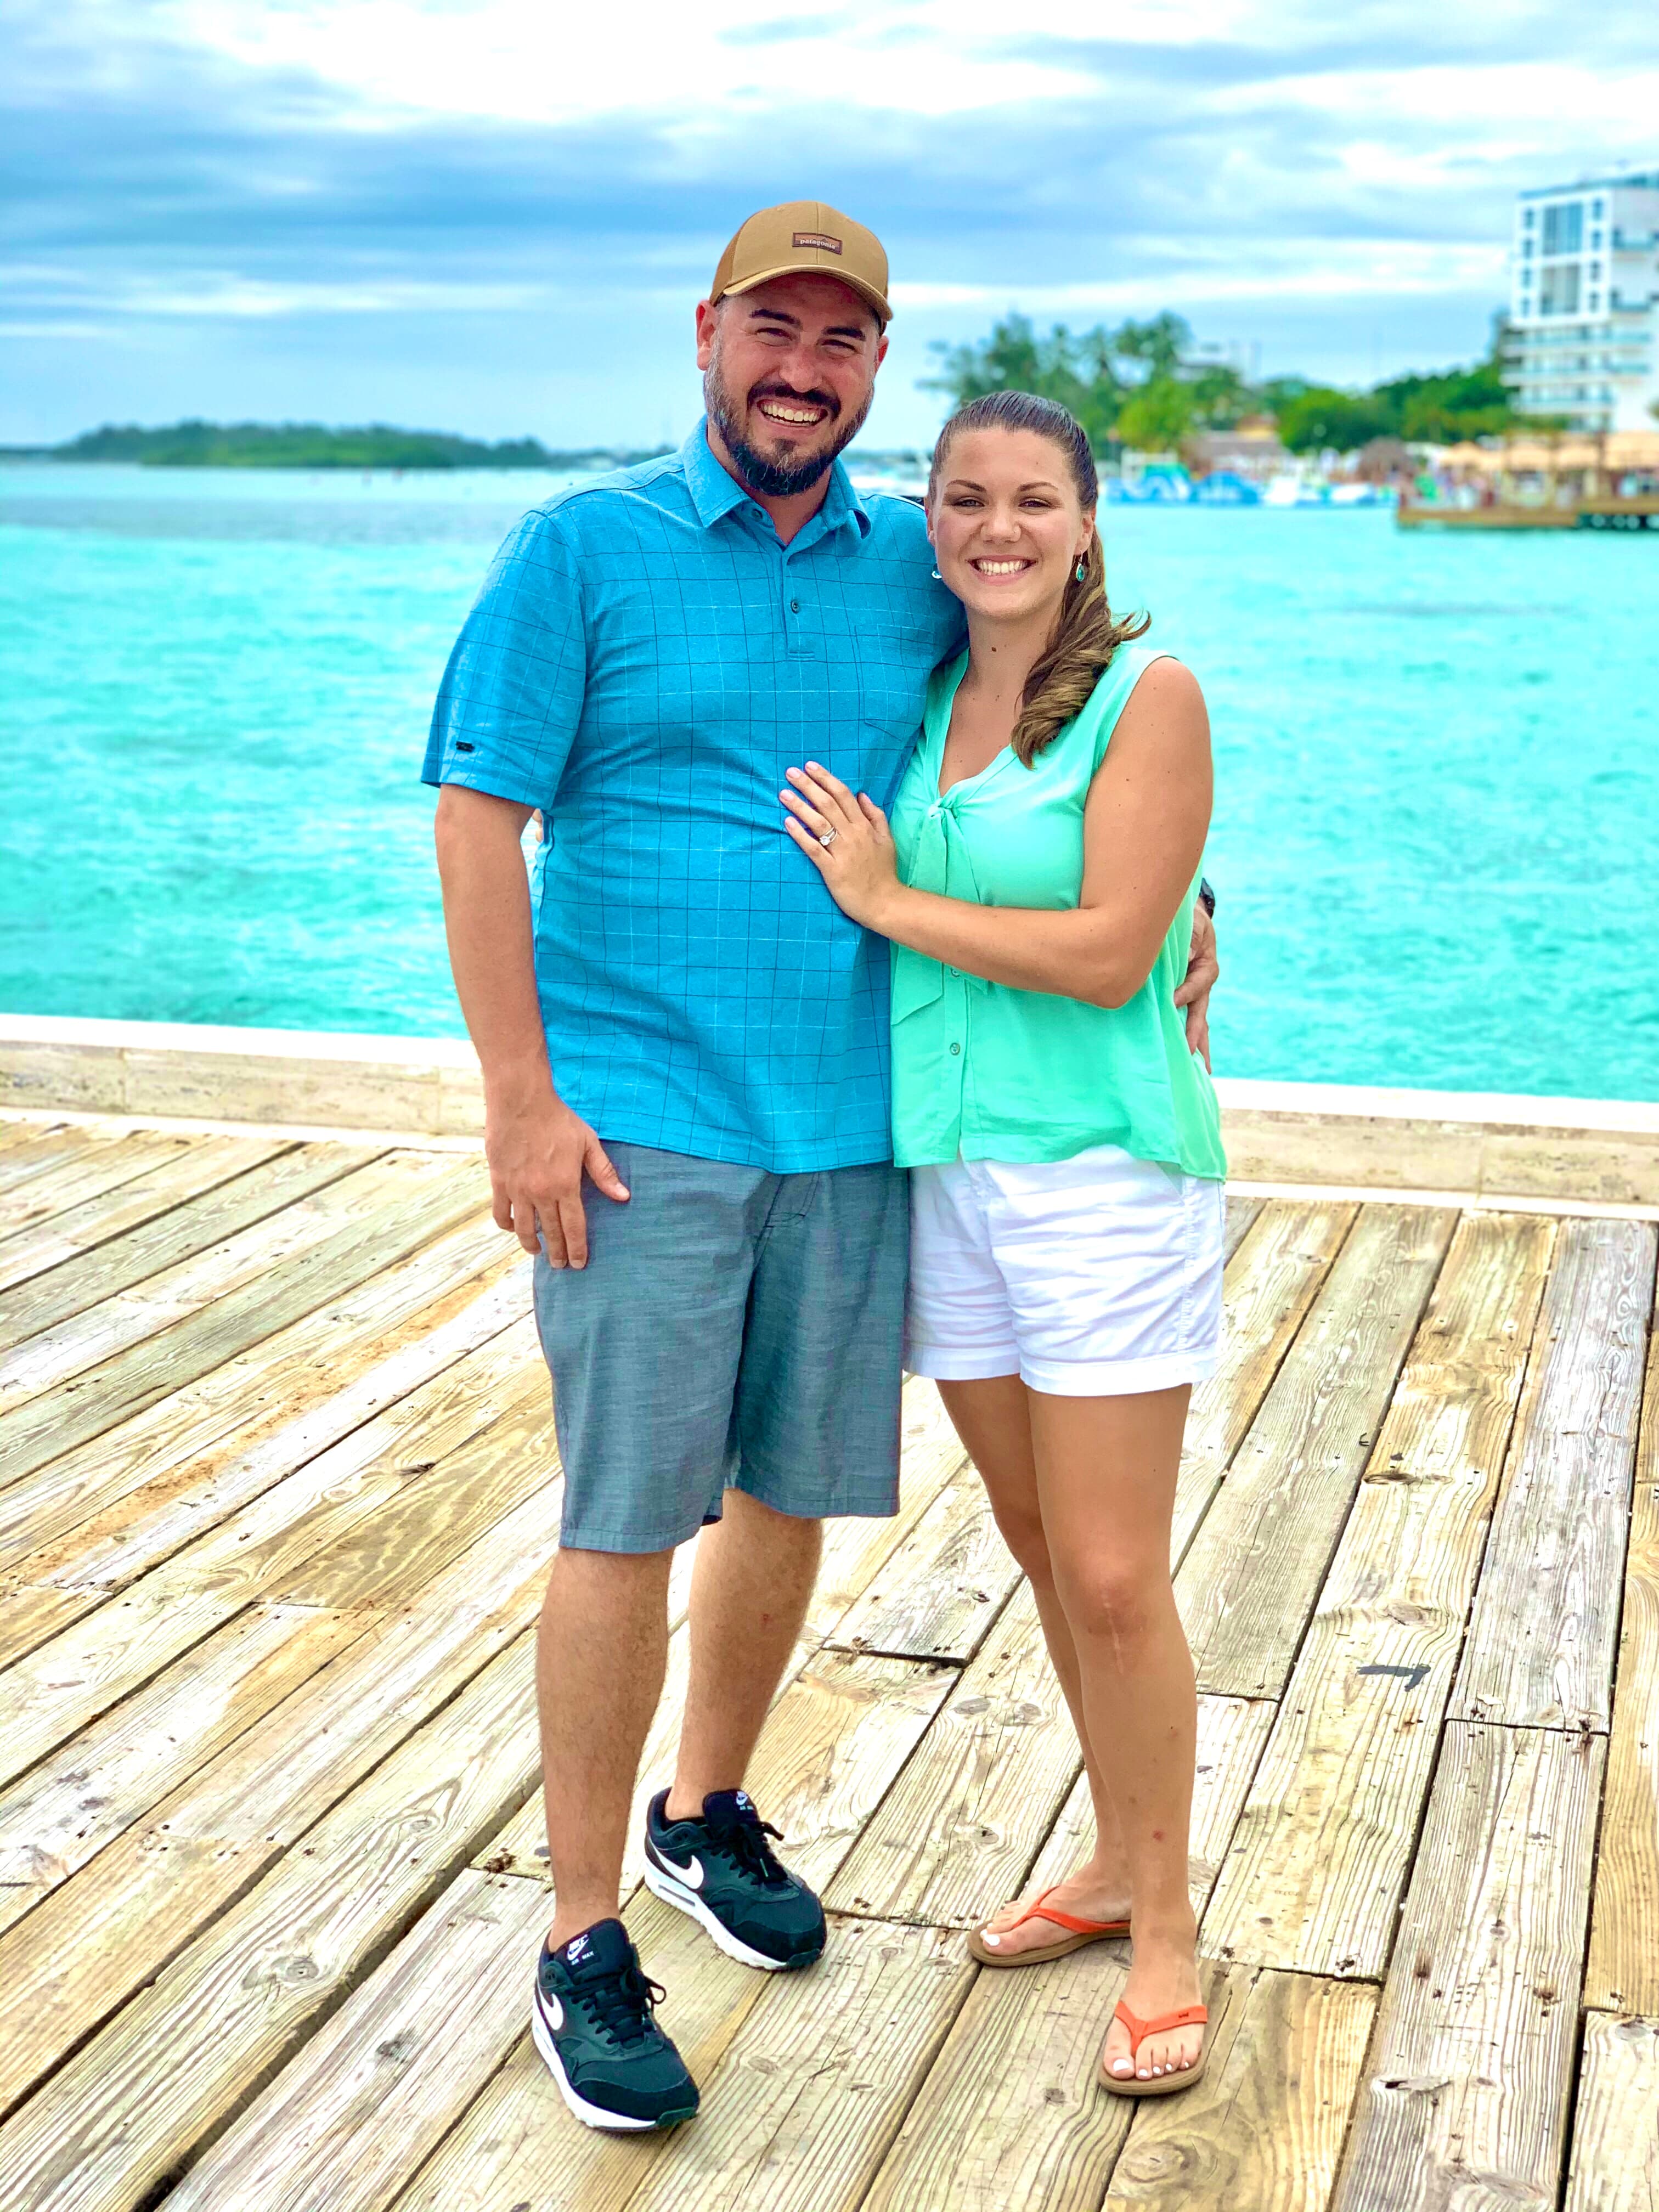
pixel 892 661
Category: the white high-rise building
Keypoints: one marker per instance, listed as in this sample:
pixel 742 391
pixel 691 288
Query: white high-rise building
pixel 1584 303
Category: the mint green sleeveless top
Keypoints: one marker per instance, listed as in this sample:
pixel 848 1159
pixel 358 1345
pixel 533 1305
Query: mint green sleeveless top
pixel 984 1071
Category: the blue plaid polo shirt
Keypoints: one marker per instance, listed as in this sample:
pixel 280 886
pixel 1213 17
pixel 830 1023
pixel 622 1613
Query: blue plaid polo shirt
pixel 644 662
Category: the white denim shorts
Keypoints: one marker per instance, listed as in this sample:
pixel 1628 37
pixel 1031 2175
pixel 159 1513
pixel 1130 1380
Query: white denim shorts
pixel 1092 1277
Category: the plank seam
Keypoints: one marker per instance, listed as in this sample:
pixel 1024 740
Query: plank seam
pixel 36 1283
pixel 444 1873
pixel 1511 1443
pixel 1645 1411
pixel 280 1149
pixel 1341 1245
pixel 17 1578
pixel 1382 1412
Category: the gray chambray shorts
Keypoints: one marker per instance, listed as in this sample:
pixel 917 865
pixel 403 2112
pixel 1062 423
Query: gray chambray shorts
pixel 732 1328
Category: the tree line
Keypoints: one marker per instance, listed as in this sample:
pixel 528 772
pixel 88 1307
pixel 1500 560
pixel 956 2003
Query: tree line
pixel 315 446
pixel 1139 386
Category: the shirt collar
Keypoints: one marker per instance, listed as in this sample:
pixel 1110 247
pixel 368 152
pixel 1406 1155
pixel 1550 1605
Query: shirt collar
pixel 715 492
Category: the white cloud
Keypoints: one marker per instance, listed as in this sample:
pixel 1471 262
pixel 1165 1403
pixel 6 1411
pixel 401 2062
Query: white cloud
pixel 528 65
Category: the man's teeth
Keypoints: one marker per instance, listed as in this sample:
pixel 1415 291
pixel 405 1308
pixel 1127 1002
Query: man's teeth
pixel 1000 568
pixel 780 413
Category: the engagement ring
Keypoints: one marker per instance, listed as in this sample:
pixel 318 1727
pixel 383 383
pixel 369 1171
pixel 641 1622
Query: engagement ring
pixel 827 836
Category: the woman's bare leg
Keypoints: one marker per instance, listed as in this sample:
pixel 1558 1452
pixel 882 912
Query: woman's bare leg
pixel 993 1418
pixel 1106 1470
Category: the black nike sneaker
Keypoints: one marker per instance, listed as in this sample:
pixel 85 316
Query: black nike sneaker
pixel 590 2019
pixel 720 1869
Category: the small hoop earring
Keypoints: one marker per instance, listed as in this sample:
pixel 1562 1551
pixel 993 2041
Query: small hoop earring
pixel 937 579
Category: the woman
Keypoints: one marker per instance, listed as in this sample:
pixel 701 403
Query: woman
pixel 1038 884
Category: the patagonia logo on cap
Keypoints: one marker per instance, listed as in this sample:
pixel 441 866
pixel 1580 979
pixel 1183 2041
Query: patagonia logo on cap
pixel 818 238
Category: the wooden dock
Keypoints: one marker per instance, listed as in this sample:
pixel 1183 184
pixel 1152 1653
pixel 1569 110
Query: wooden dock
pixel 278 1491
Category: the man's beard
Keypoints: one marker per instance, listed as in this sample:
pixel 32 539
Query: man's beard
pixel 777 479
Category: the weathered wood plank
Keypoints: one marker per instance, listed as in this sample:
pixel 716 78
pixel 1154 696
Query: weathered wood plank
pixel 937 1593
pixel 801 2109
pixel 83 1950
pixel 184 1231
pixel 1472 2062
pixel 379 1559
pixel 37 1359
pixel 195 2045
pixel 966 1817
pixel 518 2146
pixel 855 1549
pixel 1614 2165
pixel 841 1728
pixel 1010 2118
pixel 1622 1973
pixel 103 1512
pixel 261 1552
pixel 1321 1853
pixel 63 1163
pixel 1264 2126
pixel 376 2089
pixel 1240 1219
pixel 56 1233
pixel 833 1744
pixel 444 1195
pixel 15 1131
pixel 89 1789
pixel 1249 1580
pixel 1267 1291
pixel 835 1740
pixel 1542 1635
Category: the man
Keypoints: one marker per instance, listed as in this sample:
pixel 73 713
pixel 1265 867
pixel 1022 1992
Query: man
pixel 684 1053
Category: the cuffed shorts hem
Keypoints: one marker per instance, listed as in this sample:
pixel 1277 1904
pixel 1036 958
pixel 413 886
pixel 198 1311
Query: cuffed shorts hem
pixel 1064 1378
pixel 1116 1378
pixel 940 1363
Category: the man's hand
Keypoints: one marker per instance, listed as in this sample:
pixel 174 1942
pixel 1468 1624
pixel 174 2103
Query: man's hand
pixel 1202 970
pixel 538 1152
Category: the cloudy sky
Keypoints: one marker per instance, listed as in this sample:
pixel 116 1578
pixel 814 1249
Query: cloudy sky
pixel 494 215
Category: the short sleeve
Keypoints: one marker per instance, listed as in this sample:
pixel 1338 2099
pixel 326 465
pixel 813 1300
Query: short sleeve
pixel 512 695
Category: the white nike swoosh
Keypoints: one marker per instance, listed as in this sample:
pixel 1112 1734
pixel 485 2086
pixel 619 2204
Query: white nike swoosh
pixel 552 2011
pixel 691 1873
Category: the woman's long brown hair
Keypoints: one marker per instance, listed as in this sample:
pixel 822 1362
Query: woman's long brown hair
pixel 1088 633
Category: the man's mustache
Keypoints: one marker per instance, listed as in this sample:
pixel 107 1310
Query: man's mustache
pixel 814 398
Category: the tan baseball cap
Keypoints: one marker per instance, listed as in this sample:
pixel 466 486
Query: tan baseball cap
pixel 806 236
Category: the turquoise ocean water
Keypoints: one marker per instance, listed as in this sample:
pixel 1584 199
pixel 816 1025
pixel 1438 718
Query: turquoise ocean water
pixel 1436 837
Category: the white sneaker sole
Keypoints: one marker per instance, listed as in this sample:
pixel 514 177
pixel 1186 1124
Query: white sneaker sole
pixel 684 1899
pixel 590 2116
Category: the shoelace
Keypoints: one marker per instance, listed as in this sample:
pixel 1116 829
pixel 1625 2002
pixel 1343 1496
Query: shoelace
pixel 623 2003
pixel 744 1840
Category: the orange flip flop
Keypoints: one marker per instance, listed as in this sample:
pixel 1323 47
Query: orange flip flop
pixel 1161 2084
pixel 1080 1933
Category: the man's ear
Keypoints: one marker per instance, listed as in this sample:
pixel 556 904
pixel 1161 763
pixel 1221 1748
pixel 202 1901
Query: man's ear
pixel 709 316
pixel 881 349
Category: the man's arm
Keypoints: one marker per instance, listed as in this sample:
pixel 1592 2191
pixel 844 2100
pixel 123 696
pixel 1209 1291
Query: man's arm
pixel 537 1148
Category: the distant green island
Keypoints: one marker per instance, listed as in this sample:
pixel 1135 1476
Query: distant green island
pixel 315 446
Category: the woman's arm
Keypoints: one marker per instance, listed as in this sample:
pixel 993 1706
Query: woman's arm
pixel 1144 828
